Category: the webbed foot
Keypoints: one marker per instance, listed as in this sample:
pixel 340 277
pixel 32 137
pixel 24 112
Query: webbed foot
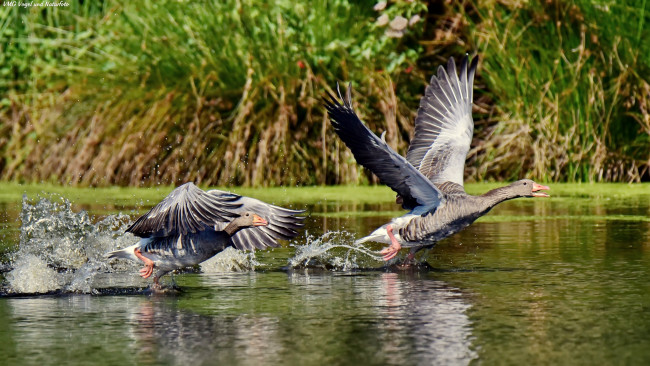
pixel 390 252
pixel 147 270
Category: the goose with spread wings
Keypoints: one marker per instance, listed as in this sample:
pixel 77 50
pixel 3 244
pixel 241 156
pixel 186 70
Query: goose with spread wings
pixel 429 181
pixel 191 225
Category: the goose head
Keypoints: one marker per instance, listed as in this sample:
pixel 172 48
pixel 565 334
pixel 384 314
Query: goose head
pixel 248 219
pixel 528 188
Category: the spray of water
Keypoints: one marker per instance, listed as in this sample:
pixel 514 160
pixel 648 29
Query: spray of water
pixel 332 250
pixel 230 260
pixel 62 251
pixel 32 275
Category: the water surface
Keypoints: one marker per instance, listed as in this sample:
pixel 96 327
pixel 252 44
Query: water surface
pixel 542 281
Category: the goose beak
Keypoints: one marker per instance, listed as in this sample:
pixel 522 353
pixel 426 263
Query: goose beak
pixel 537 188
pixel 258 221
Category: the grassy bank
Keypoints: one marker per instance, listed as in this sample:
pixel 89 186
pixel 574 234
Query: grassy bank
pixel 129 196
pixel 228 92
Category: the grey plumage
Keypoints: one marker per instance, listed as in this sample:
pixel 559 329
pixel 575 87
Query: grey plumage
pixel 429 182
pixel 187 209
pixel 461 210
pixel 190 225
pixel 282 224
pixel 444 125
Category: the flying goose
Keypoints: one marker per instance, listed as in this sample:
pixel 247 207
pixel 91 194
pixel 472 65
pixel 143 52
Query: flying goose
pixel 190 226
pixel 429 181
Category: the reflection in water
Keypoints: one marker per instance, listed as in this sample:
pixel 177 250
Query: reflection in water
pixel 437 329
pixel 409 316
pixel 302 318
pixel 381 318
pixel 168 334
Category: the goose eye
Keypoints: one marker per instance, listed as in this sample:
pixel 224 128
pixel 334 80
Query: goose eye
pixel 524 183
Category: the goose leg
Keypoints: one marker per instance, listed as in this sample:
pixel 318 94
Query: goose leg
pixel 156 284
pixel 411 257
pixel 390 252
pixel 147 270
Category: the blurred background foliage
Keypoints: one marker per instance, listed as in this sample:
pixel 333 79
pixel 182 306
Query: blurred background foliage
pixel 229 92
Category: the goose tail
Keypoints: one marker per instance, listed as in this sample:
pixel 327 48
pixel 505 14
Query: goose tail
pixel 126 253
pixel 379 236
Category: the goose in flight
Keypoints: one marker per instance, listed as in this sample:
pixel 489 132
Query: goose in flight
pixel 190 226
pixel 429 181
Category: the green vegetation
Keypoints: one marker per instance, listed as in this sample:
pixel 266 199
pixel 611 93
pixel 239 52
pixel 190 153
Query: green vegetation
pixel 216 92
pixel 570 88
pixel 228 92
pixel 129 196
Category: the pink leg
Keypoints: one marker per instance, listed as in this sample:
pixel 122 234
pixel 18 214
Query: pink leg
pixel 390 252
pixel 147 271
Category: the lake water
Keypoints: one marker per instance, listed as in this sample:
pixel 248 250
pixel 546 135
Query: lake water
pixel 552 281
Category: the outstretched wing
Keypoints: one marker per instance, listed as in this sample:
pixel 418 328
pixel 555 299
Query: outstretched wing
pixel 374 154
pixel 282 224
pixel 444 125
pixel 187 209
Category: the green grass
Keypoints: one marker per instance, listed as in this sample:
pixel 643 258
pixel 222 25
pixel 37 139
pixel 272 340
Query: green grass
pixel 127 196
pixel 13 192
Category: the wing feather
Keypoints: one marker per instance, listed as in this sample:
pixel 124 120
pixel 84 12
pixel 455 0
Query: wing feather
pixel 372 152
pixel 444 125
pixel 187 209
pixel 283 224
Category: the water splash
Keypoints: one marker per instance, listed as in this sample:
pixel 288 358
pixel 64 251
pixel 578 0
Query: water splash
pixel 332 250
pixel 230 260
pixel 32 275
pixel 62 251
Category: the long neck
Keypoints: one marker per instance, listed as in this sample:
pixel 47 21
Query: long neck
pixel 232 228
pixel 498 195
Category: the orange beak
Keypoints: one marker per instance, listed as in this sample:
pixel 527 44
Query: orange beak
pixel 258 221
pixel 537 188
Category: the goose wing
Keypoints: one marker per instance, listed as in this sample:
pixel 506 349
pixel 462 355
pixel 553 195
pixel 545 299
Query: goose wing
pixel 444 125
pixel 418 192
pixel 282 224
pixel 187 209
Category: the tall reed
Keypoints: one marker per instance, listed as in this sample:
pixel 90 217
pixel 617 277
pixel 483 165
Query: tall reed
pixel 228 92
pixel 570 89
pixel 218 92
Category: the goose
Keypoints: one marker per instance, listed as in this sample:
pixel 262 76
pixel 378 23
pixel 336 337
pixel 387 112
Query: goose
pixel 190 226
pixel 429 181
